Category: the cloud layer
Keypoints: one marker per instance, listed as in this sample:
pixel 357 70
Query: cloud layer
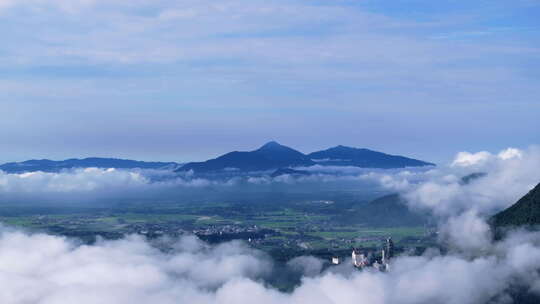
pixel 181 80
pixel 47 269
pixel 507 176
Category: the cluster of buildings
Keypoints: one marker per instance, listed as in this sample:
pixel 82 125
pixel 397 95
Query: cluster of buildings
pixel 225 229
pixel 362 260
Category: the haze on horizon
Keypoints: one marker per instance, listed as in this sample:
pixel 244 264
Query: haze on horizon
pixel 189 80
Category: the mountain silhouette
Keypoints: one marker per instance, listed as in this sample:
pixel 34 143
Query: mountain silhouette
pixel 525 212
pixel 270 156
pixel 47 165
pixel 365 158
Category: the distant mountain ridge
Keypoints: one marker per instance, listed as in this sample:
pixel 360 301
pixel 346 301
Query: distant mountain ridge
pixel 364 158
pixel 47 165
pixel 273 155
pixel 270 156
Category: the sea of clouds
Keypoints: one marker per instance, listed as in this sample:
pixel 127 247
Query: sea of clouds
pixel 508 175
pixel 475 268
pixel 40 268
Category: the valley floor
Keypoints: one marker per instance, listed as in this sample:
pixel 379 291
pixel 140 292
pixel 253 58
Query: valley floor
pixel 294 226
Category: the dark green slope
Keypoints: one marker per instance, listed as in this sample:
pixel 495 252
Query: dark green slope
pixel 526 212
pixel 387 211
pixel 391 211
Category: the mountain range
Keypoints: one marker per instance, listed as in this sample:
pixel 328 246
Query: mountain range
pixel 364 158
pixel 271 156
pixel 47 165
pixel 275 156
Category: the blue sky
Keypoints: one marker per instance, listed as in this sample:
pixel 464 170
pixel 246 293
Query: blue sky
pixel 187 80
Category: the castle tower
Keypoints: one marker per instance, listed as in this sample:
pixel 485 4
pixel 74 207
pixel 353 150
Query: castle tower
pixel 389 248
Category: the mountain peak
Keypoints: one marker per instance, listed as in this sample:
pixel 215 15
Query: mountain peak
pixel 271 155
pixel 272 145
pixel 342 147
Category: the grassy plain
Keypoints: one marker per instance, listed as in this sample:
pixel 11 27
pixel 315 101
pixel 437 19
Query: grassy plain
pixel 289 225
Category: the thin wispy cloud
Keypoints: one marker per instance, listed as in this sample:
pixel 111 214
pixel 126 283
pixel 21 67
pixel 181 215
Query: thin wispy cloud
pixel 157 70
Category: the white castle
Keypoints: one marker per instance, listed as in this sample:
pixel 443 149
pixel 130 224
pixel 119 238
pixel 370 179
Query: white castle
pixel 360 260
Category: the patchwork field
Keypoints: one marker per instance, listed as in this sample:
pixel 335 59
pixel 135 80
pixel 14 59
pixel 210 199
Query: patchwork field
pixel 285 229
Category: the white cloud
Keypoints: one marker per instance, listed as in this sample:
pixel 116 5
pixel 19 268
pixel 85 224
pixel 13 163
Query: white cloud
pixel 467 232
pixel 93 185
pixel 508 175
pixel 95 58
pixel 465 159
pixel 46 269
pixel 69 6
pixel 510 153
pixel 85 180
